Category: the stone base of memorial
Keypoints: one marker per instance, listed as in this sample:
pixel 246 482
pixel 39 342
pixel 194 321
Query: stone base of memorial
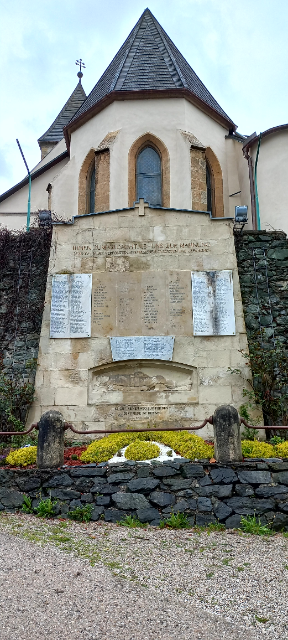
pixel 205 492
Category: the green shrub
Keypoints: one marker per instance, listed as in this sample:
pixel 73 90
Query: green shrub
pixel 256 449
pixel 132 523
pixel 188 445
pixel 22 457
pixel 81 514
pixel 250 525
pixel 46 508
pixel 141 450
pixel 27 505
pixel 281 450
pixel 176 521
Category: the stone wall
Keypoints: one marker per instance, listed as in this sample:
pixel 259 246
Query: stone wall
pixel 205 492
pixel 263 273
pixel 24 259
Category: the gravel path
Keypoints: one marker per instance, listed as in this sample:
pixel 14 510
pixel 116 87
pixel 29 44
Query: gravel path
pixel 143 583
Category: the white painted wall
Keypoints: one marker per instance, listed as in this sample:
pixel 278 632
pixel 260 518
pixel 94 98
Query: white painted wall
pixel 164 118
pixel 17 203
pixel 273 180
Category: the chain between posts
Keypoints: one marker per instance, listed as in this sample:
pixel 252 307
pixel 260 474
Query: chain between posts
pixel 68 425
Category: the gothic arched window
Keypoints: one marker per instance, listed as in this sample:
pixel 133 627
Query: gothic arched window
pixel 148 176
pixel 91 193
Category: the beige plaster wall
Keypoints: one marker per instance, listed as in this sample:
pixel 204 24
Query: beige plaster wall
pixel 65 366
pixel 165 119
pixel 17 203
pixel 272 180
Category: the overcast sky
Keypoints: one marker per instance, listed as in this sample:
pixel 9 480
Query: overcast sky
pixel 239 48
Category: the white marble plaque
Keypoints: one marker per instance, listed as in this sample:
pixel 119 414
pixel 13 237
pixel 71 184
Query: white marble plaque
pixel 142 348
pixel 71 306
pixel 213 303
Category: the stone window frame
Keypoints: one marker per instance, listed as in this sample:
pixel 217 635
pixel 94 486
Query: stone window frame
pixel 216 183
pixel 95 158
pixel 84 183
pixel 149 140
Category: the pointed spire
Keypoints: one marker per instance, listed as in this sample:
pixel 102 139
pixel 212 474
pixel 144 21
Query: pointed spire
pixel 149 60
pixel 55 132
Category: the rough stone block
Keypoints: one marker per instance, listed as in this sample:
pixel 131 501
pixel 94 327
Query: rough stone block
pixel 223 475
pixel 281 477
pixel 114 515
pixel 280 521
pixel 161 472
pixel 65 494
pixel 176 484
pixel 162 499
pixel 267 491
pixel 204 504
pixel 247 506
pixel 74 504
pixel 103 500
pixel 143 485
pixel 96 513
pixel 27 484
pixel 221 510
pixel 233 522
pixel 203 519
pixel 10 498
pixel 204 482
pixel 148 514
pixel 120 477
pixel 83 484
pixel 244 490
pixel 255 477
pixel 193 471
pixel 130 501
pixel 88 471
pixel 217 490
pixel 61 480
pixel 105 489
pixel 87 498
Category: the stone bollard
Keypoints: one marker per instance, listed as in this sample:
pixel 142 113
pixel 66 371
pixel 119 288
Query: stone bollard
pixel 227 440
pixel 50 449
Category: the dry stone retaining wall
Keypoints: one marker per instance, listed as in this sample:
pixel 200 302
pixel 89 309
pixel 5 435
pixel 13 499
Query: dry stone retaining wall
pixel 205 492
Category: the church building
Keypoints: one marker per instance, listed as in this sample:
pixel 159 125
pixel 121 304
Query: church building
pixel 142 178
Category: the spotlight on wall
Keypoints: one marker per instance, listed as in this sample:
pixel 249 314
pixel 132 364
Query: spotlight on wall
pixel 241 215
pixel 45 219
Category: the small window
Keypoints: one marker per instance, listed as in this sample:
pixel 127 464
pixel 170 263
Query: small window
pixel 92 191
pixel 148 176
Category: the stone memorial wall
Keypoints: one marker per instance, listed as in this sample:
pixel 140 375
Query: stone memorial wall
pixel 166 320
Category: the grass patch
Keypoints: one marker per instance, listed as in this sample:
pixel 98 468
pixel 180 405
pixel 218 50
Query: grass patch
pixel 176 521
pixel 81 514
pixel 132 523
pixel 250 524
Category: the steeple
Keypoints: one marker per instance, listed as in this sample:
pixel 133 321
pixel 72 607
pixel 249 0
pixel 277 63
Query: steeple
pixel 149 61
pixel 55 132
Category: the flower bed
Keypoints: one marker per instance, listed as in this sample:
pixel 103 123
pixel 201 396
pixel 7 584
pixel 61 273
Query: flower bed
pixel 182 443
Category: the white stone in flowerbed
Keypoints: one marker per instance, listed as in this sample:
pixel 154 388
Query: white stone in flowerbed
pixel 161 458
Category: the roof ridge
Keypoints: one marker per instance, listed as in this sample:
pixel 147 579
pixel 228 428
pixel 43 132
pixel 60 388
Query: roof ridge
pixel 159 29
pixel 148 60
pixel 69 102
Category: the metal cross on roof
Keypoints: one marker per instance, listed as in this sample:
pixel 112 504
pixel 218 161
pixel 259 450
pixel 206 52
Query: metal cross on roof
pixel 80 64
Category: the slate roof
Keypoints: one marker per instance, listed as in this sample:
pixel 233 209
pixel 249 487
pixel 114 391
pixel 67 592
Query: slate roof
pixel 149 59
pixel 55 132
